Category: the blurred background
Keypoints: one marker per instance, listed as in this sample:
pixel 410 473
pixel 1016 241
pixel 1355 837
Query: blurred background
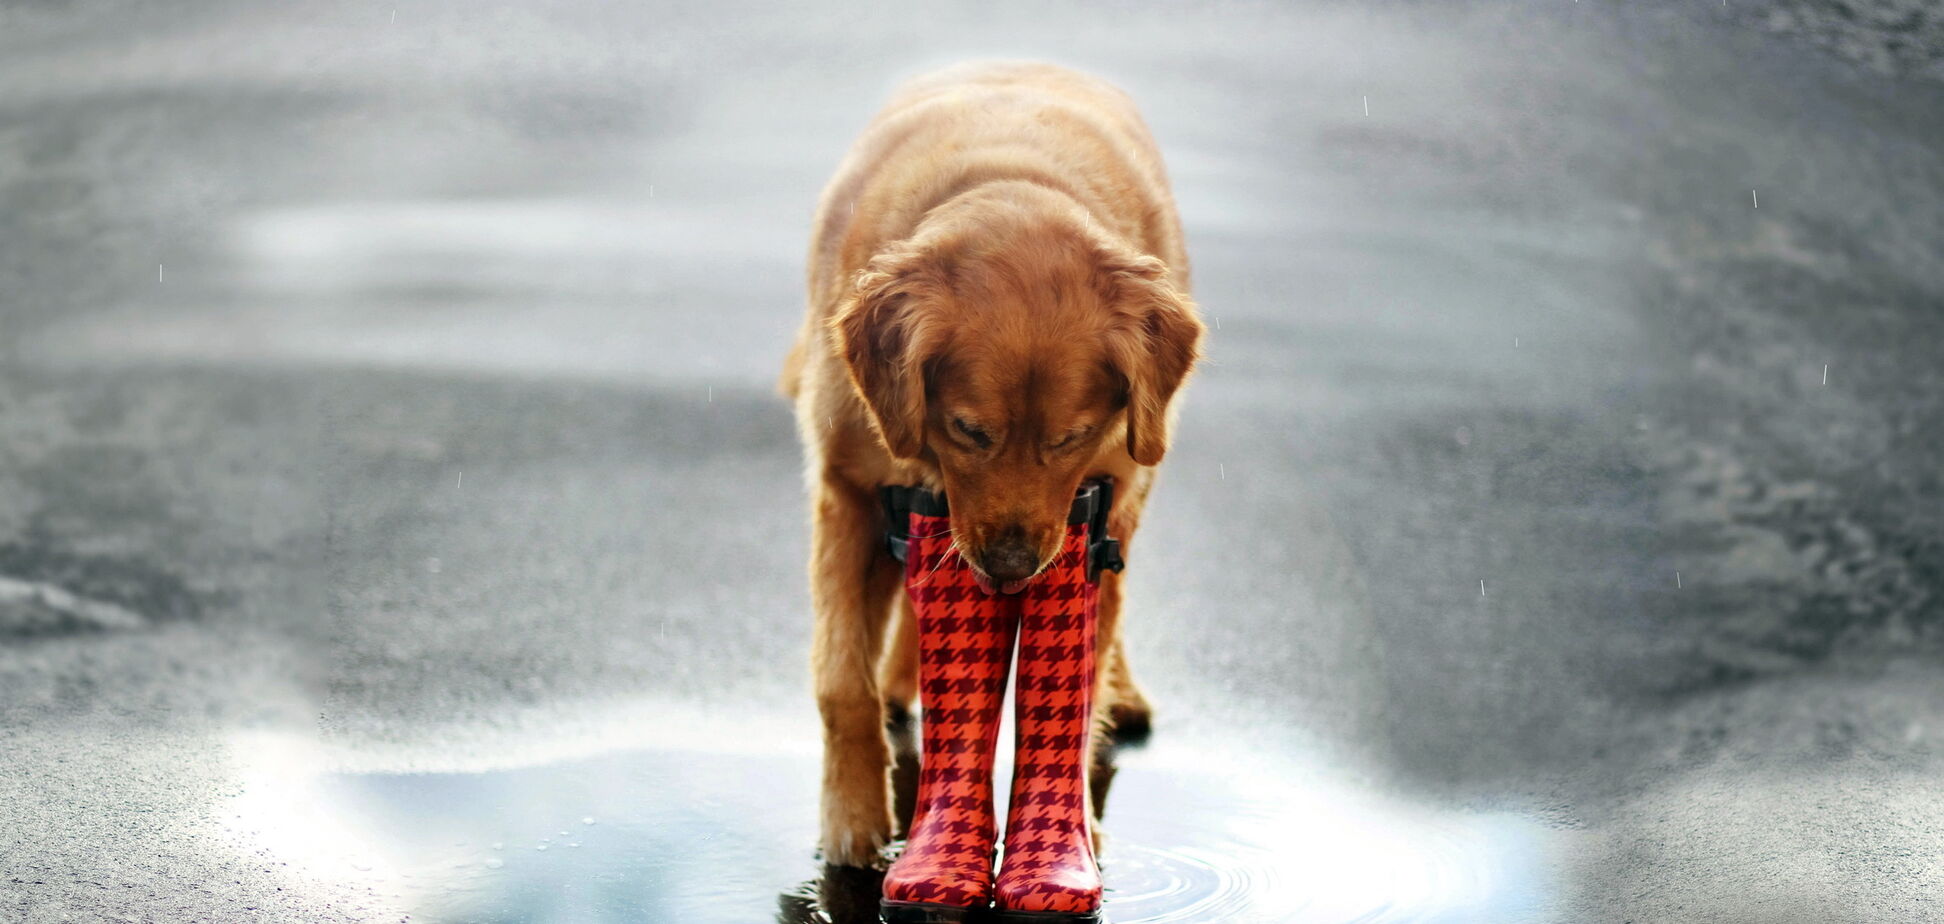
pixel 398 521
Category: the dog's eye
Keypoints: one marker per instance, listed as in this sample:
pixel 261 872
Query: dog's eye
pixel 979 437
pixel 1072 438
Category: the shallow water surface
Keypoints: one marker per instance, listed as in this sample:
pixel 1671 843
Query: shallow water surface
pixel 706 835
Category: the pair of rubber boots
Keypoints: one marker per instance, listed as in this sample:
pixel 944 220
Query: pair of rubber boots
pixel 965 639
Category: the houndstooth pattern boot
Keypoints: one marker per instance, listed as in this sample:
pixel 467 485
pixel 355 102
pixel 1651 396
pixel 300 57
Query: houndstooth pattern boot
pixel 1048 873
pixel 965 640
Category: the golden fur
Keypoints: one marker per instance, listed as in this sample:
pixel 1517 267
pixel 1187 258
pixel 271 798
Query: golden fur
pixel 997 308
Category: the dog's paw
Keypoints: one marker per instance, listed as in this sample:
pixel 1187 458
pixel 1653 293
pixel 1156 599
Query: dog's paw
pixel 856 835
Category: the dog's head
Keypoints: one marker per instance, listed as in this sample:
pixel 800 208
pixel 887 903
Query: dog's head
pixel 1013 353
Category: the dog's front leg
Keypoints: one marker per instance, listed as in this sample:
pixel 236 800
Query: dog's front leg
pixel 1100 745
pixel 851 583
pixel 1122 709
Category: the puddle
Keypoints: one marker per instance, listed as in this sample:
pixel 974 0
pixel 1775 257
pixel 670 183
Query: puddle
pixel 703 835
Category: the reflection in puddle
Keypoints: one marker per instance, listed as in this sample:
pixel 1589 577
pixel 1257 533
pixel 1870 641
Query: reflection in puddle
pixel 701 835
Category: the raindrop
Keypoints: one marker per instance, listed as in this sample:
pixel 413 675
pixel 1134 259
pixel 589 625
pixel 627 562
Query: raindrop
pixel 588 820
pixel 494 862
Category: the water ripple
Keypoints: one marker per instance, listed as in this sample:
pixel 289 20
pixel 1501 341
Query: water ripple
pixel 1176 885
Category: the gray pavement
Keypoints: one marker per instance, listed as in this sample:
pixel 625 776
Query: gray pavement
pixel 385 413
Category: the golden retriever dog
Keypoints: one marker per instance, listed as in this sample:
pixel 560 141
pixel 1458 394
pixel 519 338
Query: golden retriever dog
pixel 998 308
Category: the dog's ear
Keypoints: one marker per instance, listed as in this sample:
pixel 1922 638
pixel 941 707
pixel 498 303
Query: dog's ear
pixel 1154 343
pixel 880 331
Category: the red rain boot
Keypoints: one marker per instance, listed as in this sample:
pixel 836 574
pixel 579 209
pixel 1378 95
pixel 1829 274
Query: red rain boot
pixel 965 639
pixel 1048 875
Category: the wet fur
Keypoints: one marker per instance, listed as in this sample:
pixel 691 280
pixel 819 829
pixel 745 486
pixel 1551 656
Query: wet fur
pixel 1001 245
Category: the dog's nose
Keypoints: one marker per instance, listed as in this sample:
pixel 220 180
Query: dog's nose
pixel 1009 557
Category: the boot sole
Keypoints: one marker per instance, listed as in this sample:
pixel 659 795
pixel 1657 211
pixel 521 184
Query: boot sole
pixel 1046 917
pixel 918 913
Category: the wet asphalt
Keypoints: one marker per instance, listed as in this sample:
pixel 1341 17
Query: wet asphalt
pixel 388 446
